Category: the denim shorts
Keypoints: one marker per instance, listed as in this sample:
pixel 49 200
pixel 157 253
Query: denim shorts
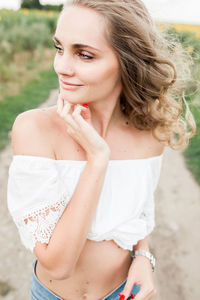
pixel 39 292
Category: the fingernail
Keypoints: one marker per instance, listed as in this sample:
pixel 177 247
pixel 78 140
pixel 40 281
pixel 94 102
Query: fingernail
pixel 122 297
pixel 85 117
pixel 132 296
pixel 85 105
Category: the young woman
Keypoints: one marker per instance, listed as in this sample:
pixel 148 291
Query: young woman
pixel 82 180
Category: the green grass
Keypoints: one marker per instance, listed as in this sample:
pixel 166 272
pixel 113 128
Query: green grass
pixel 192 153
pixel 35 93
pixel 5 288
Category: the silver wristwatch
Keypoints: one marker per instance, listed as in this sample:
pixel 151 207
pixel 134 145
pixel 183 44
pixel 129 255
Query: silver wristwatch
pixel 148 255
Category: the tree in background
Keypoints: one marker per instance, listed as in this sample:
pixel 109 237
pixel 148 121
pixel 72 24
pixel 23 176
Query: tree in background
pixel 31 4
pixel 35 4
pixel 52 7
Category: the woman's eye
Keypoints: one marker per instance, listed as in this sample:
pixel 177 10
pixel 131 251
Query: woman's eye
pixel 81 54
pixel 58 48
pixel 85 56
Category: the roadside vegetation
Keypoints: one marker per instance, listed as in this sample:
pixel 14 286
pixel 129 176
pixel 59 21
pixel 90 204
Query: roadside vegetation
pixel 191 42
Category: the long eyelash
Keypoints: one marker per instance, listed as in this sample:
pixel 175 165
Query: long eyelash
pixel 57 47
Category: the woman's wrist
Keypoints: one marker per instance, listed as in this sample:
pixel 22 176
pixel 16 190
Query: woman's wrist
pixel 142 244
pixel 147 254
pixel 99 160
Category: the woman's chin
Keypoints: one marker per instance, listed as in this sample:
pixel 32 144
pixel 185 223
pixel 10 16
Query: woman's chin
pixel 73 102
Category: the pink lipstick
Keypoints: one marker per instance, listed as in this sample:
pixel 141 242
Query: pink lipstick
pixel 69 86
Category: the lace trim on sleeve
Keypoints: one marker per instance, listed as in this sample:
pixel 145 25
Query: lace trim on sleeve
pixel 38 225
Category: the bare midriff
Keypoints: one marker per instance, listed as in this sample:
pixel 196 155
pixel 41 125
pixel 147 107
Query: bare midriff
pixel 101 267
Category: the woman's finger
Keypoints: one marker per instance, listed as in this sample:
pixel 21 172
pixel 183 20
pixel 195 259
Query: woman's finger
pixel 145 294
pixel 77 111
pixel 77 117
pixel 74 119
pixel 67 116
pixel 66 109
pixel 80 119
pixel 128 288
pixel 60 104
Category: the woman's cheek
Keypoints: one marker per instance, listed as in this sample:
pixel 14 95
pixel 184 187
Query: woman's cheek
pixel 55 64
pixel 92 72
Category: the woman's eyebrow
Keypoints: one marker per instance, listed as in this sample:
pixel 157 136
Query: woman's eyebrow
pixel 76 46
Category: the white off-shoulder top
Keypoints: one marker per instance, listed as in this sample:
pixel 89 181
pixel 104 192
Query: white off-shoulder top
pixel 40 188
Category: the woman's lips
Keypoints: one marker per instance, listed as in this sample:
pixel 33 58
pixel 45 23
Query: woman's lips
pixel 69 86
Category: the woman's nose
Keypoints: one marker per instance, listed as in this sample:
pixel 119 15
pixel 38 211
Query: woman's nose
pixel 65 66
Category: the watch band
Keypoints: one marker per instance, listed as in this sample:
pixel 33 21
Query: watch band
pixel 146 254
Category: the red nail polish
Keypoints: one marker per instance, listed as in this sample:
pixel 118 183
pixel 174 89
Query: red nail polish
pixel 132 296
pixel 85 105
pixel 122 297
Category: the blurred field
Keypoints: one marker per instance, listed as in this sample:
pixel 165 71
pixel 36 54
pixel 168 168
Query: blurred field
pixel 183 27
pixel 191 42
pixel 25 47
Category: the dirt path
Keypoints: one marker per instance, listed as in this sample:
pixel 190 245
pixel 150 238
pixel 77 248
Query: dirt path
pixel 175 241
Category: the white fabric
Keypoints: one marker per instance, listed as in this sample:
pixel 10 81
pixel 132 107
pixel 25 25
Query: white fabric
pixel 39 189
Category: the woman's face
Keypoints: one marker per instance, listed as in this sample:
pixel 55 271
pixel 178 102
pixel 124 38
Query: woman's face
pixel 85 58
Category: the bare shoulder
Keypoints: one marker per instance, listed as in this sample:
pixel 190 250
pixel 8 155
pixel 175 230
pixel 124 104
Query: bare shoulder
pixel 31 135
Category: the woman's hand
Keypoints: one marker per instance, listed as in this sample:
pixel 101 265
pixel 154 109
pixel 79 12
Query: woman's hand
pixel 81 129
pixel 140 273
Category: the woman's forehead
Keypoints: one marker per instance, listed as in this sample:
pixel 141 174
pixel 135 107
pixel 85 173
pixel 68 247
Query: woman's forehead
pixel 81 25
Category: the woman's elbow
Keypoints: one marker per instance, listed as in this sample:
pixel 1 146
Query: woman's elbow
pixel 59 274
pixel 55 269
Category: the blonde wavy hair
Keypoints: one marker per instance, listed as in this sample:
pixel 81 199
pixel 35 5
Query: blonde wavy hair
pixel 155 71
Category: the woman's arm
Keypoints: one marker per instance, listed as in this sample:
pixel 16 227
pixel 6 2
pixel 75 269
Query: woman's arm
pixel 142 245
pixel 140 273
pixel 60 256
pixel 70 233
